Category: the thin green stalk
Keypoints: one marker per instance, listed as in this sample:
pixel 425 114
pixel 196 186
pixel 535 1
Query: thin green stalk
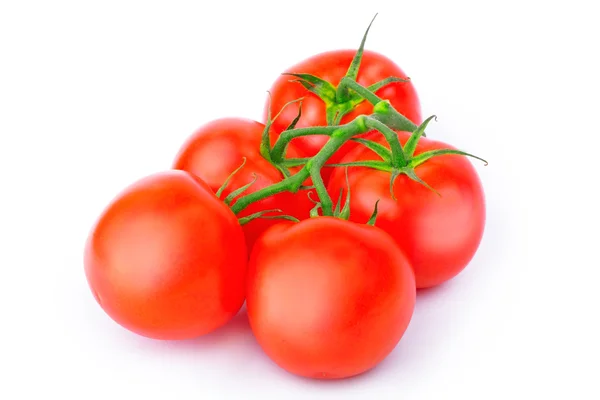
pixel 383 110
pixel 313 167
pixel 278 151
pixel 347 83
pixel 342 94
pixel 318 161
pixel 279 187
pixel 398 157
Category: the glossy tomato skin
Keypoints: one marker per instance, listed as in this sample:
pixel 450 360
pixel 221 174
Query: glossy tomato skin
pixel 167 259
pixel 332 66
pixel 328 298
pixel 215 150
pixel 440 235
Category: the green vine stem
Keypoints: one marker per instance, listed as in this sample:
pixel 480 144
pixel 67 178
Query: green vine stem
pixel 280 147
pixel 384 119
pixel 312 169
pixel 382 109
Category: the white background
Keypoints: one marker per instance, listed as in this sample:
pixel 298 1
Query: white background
pixel 94 95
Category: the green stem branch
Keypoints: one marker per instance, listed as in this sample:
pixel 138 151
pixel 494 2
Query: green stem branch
pixel 347 83
pixel 318 161
pixel 398 158
pixel 279 187
pixel 384 119
pixel 278 151
pixel 383 110
pixel 312 169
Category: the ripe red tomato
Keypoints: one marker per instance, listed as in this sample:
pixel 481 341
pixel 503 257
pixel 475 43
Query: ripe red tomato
pixel 440 235
pixel 328 298
pixel 332 66
pixel 167 259
pixel 215 150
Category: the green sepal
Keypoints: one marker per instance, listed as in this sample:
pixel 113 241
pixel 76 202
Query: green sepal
pixel 379 149
pixel 410 172
pixel 316 85
pixel 412 175
pixel 395 174
pixel 345 213
pixel 411 143
pixel 224 185
pixel 342 94
pixel 261 214
pixel 239 191
pixel 282 216
pixel 309 194
pixel 314 212
pixel 338 205
pixel 384 82
pixel 265 142
pixel 292 124
pixel 373 217
pixel 421 158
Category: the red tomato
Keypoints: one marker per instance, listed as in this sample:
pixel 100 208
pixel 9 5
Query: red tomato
pixel 167 259
pixel 328 298
pixel 440 235
pixel 332 67
pixel 215 150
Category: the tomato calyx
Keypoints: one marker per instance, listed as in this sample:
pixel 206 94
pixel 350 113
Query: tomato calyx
pixel 342 99
pixel 405 162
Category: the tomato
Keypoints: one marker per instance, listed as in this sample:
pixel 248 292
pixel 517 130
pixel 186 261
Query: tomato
pixel 328 298
pixel 167 259
pixel 216 149
pixel 332 67
pixel 440 235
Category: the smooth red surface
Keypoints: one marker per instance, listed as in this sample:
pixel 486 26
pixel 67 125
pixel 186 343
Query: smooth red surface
pixel 440 235
pixel 328 298
pixel 332 66
pixel 216 149
pixel 167 259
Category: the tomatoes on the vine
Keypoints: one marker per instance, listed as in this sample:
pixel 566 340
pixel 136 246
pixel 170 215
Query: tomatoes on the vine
pixel 328 298
pixel 218 148
pixel 439 232
pixel 332 66
pixel 167 259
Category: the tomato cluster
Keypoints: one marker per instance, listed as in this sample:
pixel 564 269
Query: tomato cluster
pixel 324 219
